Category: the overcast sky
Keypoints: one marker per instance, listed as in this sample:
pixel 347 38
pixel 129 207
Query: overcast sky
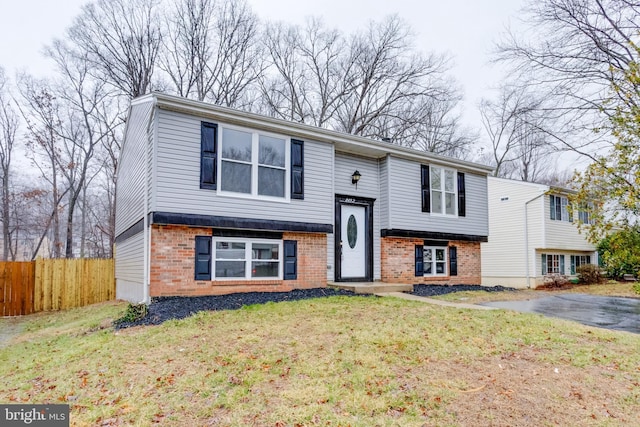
pixel 464 28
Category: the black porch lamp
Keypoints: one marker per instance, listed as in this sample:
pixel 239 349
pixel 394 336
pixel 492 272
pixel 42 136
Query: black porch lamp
pixel 355 178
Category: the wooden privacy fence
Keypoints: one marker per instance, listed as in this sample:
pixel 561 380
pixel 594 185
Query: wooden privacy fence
pixel 54 284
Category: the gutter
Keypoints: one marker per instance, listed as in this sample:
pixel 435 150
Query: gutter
pixel 146 299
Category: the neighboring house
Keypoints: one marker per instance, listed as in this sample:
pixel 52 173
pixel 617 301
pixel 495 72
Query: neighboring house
pixel 533 234
pixel 212 200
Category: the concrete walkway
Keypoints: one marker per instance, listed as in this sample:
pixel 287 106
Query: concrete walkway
pixel 434 301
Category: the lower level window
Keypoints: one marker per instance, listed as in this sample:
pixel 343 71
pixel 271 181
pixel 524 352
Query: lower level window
pixel 552 264
pixel 247 259
pixel 578 260
pixel 435 261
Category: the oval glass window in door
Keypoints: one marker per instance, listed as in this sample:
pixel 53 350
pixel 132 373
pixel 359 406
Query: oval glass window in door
pixel 352 231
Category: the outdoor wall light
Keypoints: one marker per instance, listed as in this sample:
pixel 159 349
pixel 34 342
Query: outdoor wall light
pixel 355 178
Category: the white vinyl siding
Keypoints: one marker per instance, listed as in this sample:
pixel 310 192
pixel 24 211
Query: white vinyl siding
pixel 505 256
pixel 177 184
pixel 405 203
pixel 129 268
pixel 132 170
pixel 563 235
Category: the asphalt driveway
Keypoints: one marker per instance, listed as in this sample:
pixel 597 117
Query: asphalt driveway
pixel 617 313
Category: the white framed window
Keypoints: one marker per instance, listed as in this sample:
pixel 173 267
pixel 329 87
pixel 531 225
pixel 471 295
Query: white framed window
pixel 552 264
pixel 559 208
pixel 253 164
pixel 444 191
pixel 235 258
pixel 435 260
pixel 584 213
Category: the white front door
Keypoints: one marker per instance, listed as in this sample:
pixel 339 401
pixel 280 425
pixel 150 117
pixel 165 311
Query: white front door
pixel 353 234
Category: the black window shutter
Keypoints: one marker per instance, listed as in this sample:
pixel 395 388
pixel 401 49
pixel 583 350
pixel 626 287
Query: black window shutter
pixel 208 155
pixel 297 169
pixel 290 259
pixel 552 207
pixel 453 261
pixel 424 184
pixel 419 260
pixel 544 264
pixel 203 258
pixel 462 199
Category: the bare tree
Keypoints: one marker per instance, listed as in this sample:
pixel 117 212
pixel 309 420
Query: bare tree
pixel 385 74
pixel 372 84
pixel 40 112
pixel 84 123
pixel 308 75
pixel 516 127
pixel 121 40
pixel 8 128
pixel 211 50
pixel 569 53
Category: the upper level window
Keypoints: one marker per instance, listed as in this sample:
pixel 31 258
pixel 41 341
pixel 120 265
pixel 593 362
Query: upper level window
pixel 584 215
pixel 443 191
pixel 559 208
pixel 253 163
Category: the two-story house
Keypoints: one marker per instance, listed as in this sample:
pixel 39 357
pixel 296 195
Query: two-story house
pixel 211 200
pixel 533 234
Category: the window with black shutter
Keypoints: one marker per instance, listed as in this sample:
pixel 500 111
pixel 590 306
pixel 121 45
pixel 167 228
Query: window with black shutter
pixel 208 155
pixel 297 169
pixel 290 248
pixel 203 258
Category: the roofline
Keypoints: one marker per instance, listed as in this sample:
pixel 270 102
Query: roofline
pixel 234 116
pixel 549 188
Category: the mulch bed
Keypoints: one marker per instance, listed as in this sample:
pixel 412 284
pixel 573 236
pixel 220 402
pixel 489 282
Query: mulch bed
pixel 162 309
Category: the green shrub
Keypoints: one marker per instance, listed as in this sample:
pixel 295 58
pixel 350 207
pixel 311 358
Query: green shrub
pixel 619 252
pixel 589 274
pixel 134 312
pixel 636 287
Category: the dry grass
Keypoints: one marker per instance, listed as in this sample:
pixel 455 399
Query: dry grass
pixel 335 361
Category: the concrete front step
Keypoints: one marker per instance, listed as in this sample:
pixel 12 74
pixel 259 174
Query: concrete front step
pixel 371 287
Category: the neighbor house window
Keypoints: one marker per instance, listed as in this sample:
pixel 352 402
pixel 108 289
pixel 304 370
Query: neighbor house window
pixel 559 208
pixel 443 190
pixel 584 214
pixel 247 259
pixel 253 163
pixel 552 264
pixel 435 261
pixel 578 260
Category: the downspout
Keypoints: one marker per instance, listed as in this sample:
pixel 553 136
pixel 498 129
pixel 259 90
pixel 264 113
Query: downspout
pixel 147 232
pixel 526 238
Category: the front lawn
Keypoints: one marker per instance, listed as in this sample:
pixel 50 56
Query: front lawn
pixel 328 361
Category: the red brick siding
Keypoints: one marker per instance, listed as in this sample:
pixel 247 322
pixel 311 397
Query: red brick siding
pixel 173 263
pixel 398 262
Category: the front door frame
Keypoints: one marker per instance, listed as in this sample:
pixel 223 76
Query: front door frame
pixel 367 203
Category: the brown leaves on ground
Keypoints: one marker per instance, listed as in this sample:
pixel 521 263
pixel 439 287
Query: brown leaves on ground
pixel 516 389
